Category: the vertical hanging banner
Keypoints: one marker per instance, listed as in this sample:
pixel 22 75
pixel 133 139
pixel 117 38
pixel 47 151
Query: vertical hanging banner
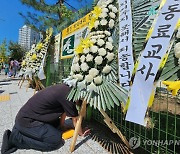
pixel 125 53
pixel 57 48
pixel 150 61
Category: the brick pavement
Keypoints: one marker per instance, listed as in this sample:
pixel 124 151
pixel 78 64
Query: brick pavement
pixel 9 109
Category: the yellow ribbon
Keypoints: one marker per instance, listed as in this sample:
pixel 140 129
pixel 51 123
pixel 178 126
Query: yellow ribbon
pixel 172 86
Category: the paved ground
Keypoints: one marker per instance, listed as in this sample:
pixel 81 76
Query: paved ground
pixel 9 109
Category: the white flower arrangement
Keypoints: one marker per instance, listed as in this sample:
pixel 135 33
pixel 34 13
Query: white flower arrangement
pixel 75 67
pixel 93 72
pixel 83 58
pixel 96 24
pixel 89 58
pixel 111 23
pixel 94 49
pixel 109 45
pixel 177 50
pixel 104 10
pixel 84 67
pixel 106 69
pixel 110 6
pixel 86 50
pixel 114 9
pixel 103 15
pixel 100 42
pixel 88 78
pixel 103 22
pixel 94 41
pixel 112 15
pixel 95 57
pixel 98 60
pixel 91 87
pixel 81 85
pixel 102 52
pixel 79 77
pixel 110 56
pixel 110 39
pixel 107 33
pixel 98 80
pixel 75 60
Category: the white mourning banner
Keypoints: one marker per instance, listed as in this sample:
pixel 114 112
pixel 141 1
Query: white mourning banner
pixel 125 54
pixel 150 60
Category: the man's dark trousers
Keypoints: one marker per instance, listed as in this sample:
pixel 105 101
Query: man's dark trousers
pixel 42 137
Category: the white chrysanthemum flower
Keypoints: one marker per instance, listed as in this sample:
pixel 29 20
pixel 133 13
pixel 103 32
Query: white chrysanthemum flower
pixel 75 60
pixel 91 87
pixel 103 22
pixel 110 6
pixel 94 37
pixel 100 42
pixel 89 58
pixel 109 1
pixel 82 58
pixel 102 36
pixel 98 60
pixel 111 23
pixel 109 45
pixel 101 2
pixel 104 6
pixel 110 39
pixel 112 15
pixel 107 33
pixel 81 85
pixel 98 80
pixel 106 69
pixel 110 56
pixel 88 78
pixel 178 33
pixel 94 49
pixel 179 61
pixel 79 77
pixel 93 41
pixel 114 9
pixel 84 67
pixel 75 67
pixel 103 15
pixel 102 52
pixel 93 72
pixel 71 73
pixel 96 24
pixel 177 50
pixel 105 10
pixel 86 50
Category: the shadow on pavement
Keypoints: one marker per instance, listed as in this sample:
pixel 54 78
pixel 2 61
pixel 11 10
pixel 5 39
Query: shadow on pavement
pixel 1 91
pixel 3 84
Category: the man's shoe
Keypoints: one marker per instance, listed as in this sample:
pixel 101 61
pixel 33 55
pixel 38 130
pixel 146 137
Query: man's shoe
pixel 6 147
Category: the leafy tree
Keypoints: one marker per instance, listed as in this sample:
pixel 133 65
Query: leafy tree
pixel 57 15
pixel 16 51
pixel 3 51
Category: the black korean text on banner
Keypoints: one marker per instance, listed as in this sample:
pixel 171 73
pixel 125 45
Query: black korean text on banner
pixel 125 53
pixel 150 60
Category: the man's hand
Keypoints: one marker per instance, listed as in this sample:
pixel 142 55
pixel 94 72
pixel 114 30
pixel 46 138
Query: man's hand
pixel 86 131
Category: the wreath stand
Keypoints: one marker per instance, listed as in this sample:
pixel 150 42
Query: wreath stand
pixel 21 81
pixel 107 120
pixel 39 85
pixel 29 83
